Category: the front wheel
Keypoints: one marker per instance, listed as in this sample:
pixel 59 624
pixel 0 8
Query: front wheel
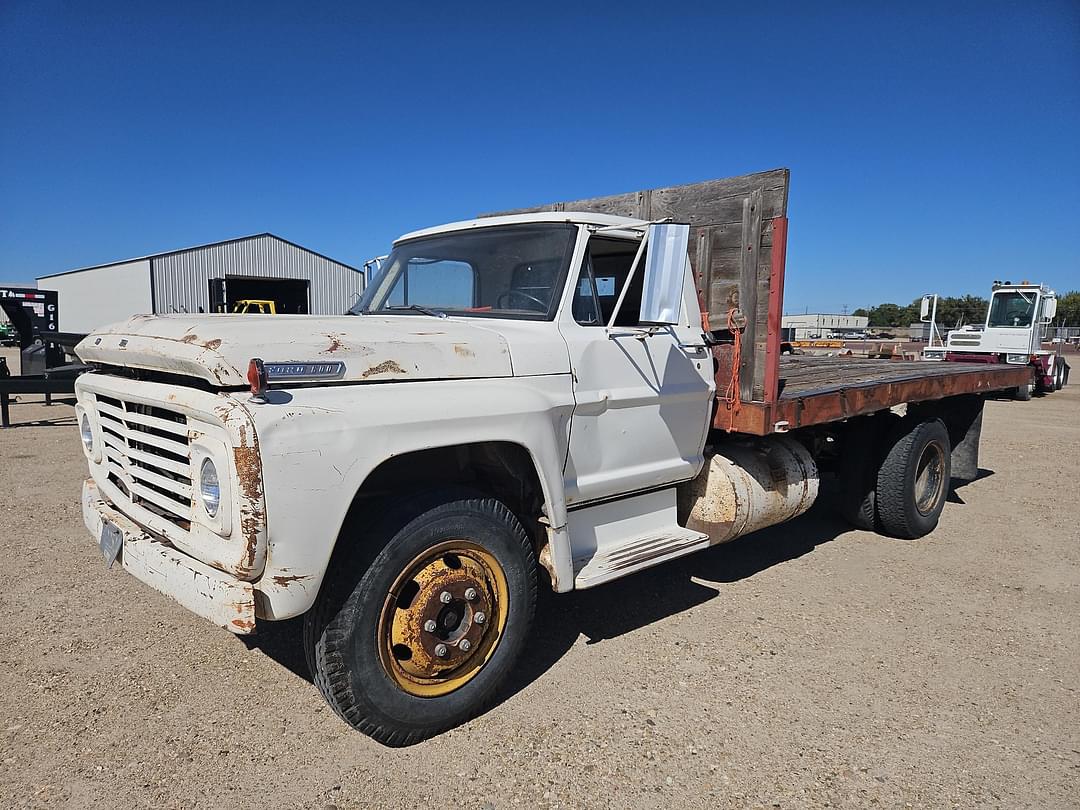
pixel 419 639
pixel 1024 392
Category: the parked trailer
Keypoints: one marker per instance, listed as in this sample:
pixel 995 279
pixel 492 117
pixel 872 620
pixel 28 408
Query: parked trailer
pixel 543 391
pixel 34 315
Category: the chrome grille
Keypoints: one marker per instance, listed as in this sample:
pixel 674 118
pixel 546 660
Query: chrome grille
pixel 147 451
pixel 964 340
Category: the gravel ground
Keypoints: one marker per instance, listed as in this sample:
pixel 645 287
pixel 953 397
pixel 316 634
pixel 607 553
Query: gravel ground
pixel 806 666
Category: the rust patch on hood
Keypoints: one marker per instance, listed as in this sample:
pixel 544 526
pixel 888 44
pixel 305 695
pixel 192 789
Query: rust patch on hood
pixel 335 344
pixel 192 339
pixel 385 367
pixel 284 579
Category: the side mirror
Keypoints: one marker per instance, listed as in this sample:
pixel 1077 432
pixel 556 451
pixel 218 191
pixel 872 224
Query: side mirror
pixel 924 308
pixel 1049 309
pixel 665 269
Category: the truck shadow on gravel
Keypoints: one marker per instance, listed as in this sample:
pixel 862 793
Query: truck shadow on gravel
pixel 618 607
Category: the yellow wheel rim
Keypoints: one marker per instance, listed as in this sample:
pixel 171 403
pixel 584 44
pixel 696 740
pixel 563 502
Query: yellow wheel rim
pixel 443 618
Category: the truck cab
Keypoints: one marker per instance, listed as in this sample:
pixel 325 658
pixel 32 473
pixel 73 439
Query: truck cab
pixel 1012 333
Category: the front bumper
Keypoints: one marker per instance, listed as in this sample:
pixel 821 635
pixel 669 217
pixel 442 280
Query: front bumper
pixel 224 600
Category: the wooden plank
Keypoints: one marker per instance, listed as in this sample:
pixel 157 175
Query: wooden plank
pixel 706 203
pixel 748 295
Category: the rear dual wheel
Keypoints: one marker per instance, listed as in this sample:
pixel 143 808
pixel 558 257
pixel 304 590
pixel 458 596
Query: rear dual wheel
pixel 896 475
pixel 417 635
pixel 913 479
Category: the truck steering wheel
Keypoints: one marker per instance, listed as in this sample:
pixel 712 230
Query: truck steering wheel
pixel 510 293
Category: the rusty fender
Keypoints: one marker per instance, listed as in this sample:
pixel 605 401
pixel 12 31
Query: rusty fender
pixel 318 445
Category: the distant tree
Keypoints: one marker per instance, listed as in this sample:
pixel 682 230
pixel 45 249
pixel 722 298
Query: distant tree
pixel 887 315
pixel 861 313
pixel 952 311
pixel 1068 309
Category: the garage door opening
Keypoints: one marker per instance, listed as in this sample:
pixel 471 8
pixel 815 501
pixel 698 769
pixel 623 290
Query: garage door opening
pixel 290 296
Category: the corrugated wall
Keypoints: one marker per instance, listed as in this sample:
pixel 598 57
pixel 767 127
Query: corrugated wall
pixel 182 280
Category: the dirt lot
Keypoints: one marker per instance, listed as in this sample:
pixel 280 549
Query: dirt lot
pixel 806 666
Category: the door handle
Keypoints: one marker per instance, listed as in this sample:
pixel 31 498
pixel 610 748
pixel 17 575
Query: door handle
pixel 693 348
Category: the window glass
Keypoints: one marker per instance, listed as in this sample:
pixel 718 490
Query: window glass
pixel 436 283
pixel 511 271
pixel 603 274
pixel 1012 309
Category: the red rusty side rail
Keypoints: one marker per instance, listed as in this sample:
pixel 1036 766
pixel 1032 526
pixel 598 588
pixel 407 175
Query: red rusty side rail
pixel 858 398
pixel 776 309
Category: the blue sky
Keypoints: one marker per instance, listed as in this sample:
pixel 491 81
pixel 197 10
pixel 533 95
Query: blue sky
pixel 932 147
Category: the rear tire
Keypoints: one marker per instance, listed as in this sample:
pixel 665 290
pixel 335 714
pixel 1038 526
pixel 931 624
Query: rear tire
pixel 367 638
pixel 860 459
pixel 913 480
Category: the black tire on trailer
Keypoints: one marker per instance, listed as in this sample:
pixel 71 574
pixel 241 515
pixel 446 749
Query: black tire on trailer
pixel 858 469
pixel 1023 392
pixel 417 635
pixel 913 479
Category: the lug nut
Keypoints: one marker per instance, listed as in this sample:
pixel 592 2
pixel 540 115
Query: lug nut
pixel 430 625
pixel 480 618
pixel 445 597
pixel 464 645
pixel 470 593
pixel 440 650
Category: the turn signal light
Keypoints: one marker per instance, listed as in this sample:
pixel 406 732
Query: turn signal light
pixel 257 378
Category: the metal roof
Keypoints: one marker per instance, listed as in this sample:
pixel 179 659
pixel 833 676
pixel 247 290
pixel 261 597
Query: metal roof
pixel 200 247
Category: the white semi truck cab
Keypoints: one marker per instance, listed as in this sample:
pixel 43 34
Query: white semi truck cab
pixel 1012 333
pixel 516 401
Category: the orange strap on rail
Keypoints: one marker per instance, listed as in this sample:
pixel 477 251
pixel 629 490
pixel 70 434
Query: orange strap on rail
pixel 731 396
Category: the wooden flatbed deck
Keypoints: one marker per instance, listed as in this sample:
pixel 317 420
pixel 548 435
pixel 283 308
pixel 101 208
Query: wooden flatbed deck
pixel 816 390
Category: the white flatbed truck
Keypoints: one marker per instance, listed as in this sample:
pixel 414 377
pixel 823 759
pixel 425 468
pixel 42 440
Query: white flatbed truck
pixel 558 397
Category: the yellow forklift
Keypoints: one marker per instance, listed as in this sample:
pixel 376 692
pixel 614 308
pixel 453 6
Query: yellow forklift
pixel 250 306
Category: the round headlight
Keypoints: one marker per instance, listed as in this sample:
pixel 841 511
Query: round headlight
pixel 87 433
pixel 209 487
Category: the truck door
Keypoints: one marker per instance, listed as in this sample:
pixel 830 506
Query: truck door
pixel 643 402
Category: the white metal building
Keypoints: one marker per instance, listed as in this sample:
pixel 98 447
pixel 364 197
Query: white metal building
pixel 206 278
pixel 821 325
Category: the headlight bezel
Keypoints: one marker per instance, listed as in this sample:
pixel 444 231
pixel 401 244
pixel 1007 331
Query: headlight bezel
pixel 1018 359
pixel 207 449
pixel 94 451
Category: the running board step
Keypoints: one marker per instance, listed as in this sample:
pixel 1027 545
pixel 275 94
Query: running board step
pixel 614 539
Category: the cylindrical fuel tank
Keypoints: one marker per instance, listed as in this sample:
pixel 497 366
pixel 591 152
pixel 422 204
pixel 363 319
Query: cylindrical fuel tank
pixel 746 486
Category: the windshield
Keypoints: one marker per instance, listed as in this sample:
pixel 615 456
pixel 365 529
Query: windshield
pixel 512 271
pixel 1012 309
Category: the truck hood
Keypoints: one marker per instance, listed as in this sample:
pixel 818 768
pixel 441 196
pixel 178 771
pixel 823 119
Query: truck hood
pixel 218 348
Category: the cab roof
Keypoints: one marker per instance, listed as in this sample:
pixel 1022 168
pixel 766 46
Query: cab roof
pixel 573 217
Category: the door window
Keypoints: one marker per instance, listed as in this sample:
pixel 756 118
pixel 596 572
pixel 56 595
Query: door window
pixel 603 274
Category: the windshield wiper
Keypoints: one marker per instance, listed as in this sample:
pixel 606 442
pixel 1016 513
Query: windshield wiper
pixel 432 312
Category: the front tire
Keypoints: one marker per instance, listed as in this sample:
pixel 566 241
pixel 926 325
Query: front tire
pixel 913 480
pixel 1024 392
pixel 419 639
